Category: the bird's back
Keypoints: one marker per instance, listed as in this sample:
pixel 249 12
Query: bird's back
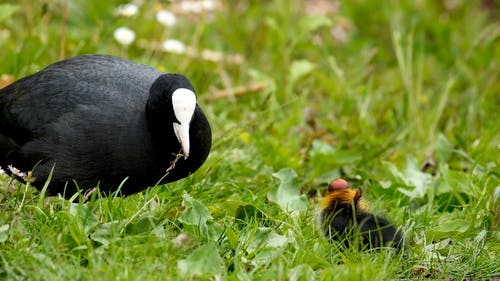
pixel 75 111
pixel 102 80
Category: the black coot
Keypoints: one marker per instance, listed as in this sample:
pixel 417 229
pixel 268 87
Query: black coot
pixel 100 119
pixel 344 219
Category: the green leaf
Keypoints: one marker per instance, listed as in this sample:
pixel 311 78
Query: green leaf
pixel 7 10
pixel 412 176
pixel 196 212
pixel 45 261
pixel 301 272
pixel 309 24
pixel 328 159
pixel 203 261
pixel 448 225
pixel 299 69
pixel 321 148
pixel 214 231
pixel 262 77
pixel 443 149
pixel 107 232
pixel 264 245
pixel 144 225
pixel 232 237
pixel 287 194
pixel 248 212
pixel 455 225
pixel 455 180
pixel 324 152
pixel 4 233
pixel 84 214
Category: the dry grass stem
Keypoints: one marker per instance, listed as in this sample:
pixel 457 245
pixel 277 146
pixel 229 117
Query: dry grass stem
pixel 236 91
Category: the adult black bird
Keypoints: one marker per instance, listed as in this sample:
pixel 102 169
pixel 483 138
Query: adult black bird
pixel 99 119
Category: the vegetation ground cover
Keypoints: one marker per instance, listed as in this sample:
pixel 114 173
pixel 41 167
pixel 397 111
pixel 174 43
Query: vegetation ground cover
pixel 401 98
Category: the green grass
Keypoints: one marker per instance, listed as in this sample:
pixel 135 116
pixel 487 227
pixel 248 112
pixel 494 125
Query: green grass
pixel 411 82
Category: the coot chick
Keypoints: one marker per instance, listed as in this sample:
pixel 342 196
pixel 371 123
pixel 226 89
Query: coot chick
pixel 344 218
pixel 97 120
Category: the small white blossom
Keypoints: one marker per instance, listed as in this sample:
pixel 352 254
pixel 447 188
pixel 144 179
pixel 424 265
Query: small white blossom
pixel 339 33
pixel 124 35
pixel 181 240
pixel 174 46
pixel 208 5
pixel 212 55
pixel 2 172
pixel 127 10
pixel 191 7
pixel 16 171
pixel 166 18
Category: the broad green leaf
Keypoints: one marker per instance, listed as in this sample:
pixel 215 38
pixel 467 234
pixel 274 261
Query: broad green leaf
pixel 264 245
pixel 327 160
pixel 144 225
pixel 299 69
pixel 301 272
pixel 214 231
pixel 448 225
pixel 419 183
pixel 203 261
pixel 455 180
pixel 232 206
pixel 45 261
pixel 107 232
pixel 196 212
pixel 266 237
pixel 84 214
pixel 456 225
pixel 416 178
pixel 443 149
pixel 287 194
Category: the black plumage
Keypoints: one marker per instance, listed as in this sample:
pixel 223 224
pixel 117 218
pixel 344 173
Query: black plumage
pixel 97 120
pixel 344 219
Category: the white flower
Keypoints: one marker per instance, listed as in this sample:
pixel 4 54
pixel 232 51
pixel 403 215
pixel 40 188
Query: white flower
pixel 166 18
pixel 124 35
pixel 127 10
pixel 208 5
pixel 16 171
pixel 198 6
pixel 191 7
pixel 212 55
pixel 181 240
pixel 2 172
pixel 174 46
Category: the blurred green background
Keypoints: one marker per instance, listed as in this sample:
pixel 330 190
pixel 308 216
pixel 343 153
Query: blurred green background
pixel 401 98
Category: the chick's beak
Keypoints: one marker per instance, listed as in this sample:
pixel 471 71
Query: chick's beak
pixel 182 133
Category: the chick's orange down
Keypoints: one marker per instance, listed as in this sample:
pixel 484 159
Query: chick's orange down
pixel 344 218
